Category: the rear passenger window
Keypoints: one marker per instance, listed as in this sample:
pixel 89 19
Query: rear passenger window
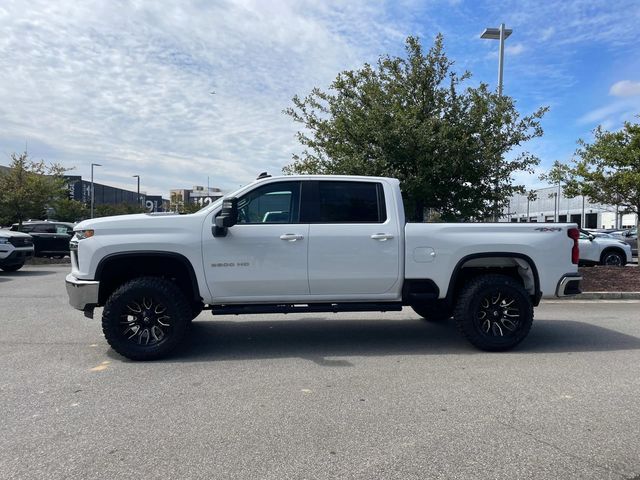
pixel 350 202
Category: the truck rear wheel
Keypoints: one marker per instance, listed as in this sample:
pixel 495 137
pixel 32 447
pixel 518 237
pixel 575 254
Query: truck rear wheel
pixel 146 318
pixel 494 312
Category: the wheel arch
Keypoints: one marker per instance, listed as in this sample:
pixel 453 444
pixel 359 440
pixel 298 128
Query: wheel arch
pixel 115 269
pixel 516 265
pixel 614 249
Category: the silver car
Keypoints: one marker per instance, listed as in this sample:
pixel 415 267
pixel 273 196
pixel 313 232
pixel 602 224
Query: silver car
pixel 603 250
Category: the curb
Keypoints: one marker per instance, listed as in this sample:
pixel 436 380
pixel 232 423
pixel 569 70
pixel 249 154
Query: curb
pixel 605 296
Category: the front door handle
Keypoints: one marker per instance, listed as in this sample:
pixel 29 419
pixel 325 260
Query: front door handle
pixel 383 237
pixel 291 237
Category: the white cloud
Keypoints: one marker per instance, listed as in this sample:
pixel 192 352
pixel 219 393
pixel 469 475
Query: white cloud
pixel 127 84
pixel 515 49
pixel 625 88
pixel 612 116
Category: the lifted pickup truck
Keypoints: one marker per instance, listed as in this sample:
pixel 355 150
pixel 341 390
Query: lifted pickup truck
pixel 314 244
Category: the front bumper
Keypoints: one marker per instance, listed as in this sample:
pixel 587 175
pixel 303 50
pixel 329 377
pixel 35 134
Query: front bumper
pixel 16 257
pixel 569 285
pixel 83 294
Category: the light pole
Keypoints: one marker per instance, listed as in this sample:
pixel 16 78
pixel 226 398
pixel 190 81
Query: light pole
pixel 501 34
pixel 93 191
pixel 138 177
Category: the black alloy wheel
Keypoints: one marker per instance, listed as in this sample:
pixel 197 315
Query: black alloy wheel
pixel 494 312
pixel 146 318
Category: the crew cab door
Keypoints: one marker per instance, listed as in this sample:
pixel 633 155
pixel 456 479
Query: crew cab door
pixel 264 256
pixel 354 243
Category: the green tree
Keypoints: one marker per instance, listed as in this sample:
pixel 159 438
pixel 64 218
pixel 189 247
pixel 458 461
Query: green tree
pixel 558 174
pixel 410 118
pixel 29 187
pixel 608 170
pixel 67 210
pixel 106 210
pixel 189 208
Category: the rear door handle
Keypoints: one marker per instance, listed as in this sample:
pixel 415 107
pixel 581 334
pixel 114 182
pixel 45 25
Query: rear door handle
pixel 291 237
pixel 383 237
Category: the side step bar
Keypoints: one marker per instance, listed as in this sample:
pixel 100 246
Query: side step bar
pixel 304 308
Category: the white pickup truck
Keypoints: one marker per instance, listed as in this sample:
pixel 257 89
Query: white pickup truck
pixel 314 244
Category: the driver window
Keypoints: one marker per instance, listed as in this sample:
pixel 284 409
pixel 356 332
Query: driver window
pixel 273 203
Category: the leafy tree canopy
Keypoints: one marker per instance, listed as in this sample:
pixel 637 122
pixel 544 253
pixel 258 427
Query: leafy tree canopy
pixel 608 170
pixel 29 187
pixel 67 210
pixel 411 118
pixel 106 210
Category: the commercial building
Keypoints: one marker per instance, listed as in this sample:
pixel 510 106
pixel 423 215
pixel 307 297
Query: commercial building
pixel 80 190
pixel 551 205
pixel 198 195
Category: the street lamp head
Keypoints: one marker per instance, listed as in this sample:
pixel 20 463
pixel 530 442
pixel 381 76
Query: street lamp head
pixel 494 33
pixel 96 165
pixel 138 176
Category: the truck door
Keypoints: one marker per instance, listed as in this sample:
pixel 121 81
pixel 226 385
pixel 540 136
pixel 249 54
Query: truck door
pixel 264 255
pixel 354 243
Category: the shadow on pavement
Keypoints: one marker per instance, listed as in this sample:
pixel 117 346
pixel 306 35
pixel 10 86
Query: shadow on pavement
pixel 27 273
pixel 318 339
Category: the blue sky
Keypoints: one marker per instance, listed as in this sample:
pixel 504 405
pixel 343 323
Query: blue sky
pixel 127 84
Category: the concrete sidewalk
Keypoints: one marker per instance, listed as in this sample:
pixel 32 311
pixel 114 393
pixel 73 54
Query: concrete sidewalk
pixel 605 296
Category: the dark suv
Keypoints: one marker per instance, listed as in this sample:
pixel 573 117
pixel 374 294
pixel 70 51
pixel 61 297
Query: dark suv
pixel 50 239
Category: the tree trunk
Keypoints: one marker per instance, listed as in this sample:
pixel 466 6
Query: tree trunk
pixel 418 213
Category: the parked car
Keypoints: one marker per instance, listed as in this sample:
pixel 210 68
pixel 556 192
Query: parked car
pixel 15 248
pixel 602 250
pixel 631 237
pixel 50 239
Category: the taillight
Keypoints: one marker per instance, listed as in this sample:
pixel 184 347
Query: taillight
pixel 574 233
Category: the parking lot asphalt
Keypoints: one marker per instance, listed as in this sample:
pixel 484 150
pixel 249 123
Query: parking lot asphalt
pixel 316 396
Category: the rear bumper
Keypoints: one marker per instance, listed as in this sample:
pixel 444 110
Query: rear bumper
pixel 569 285
pixel 83 294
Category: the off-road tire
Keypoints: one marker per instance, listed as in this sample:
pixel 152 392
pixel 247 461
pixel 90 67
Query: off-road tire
pixel 152 304
pixel 494 312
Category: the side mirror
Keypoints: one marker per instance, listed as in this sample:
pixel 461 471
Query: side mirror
pixel 227 217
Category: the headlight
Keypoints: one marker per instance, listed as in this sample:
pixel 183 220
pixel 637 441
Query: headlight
pixel 82 234
pixel 4 240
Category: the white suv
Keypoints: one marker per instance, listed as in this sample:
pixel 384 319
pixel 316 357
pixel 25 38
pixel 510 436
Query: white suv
pixel 15 248
pixel 598 249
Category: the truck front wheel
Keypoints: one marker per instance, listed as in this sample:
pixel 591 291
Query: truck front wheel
pixel 494 312
pixel 146 318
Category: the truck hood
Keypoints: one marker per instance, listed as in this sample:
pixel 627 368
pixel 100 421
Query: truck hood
pixel 135 222
pixel 609 241
pixel 10 234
